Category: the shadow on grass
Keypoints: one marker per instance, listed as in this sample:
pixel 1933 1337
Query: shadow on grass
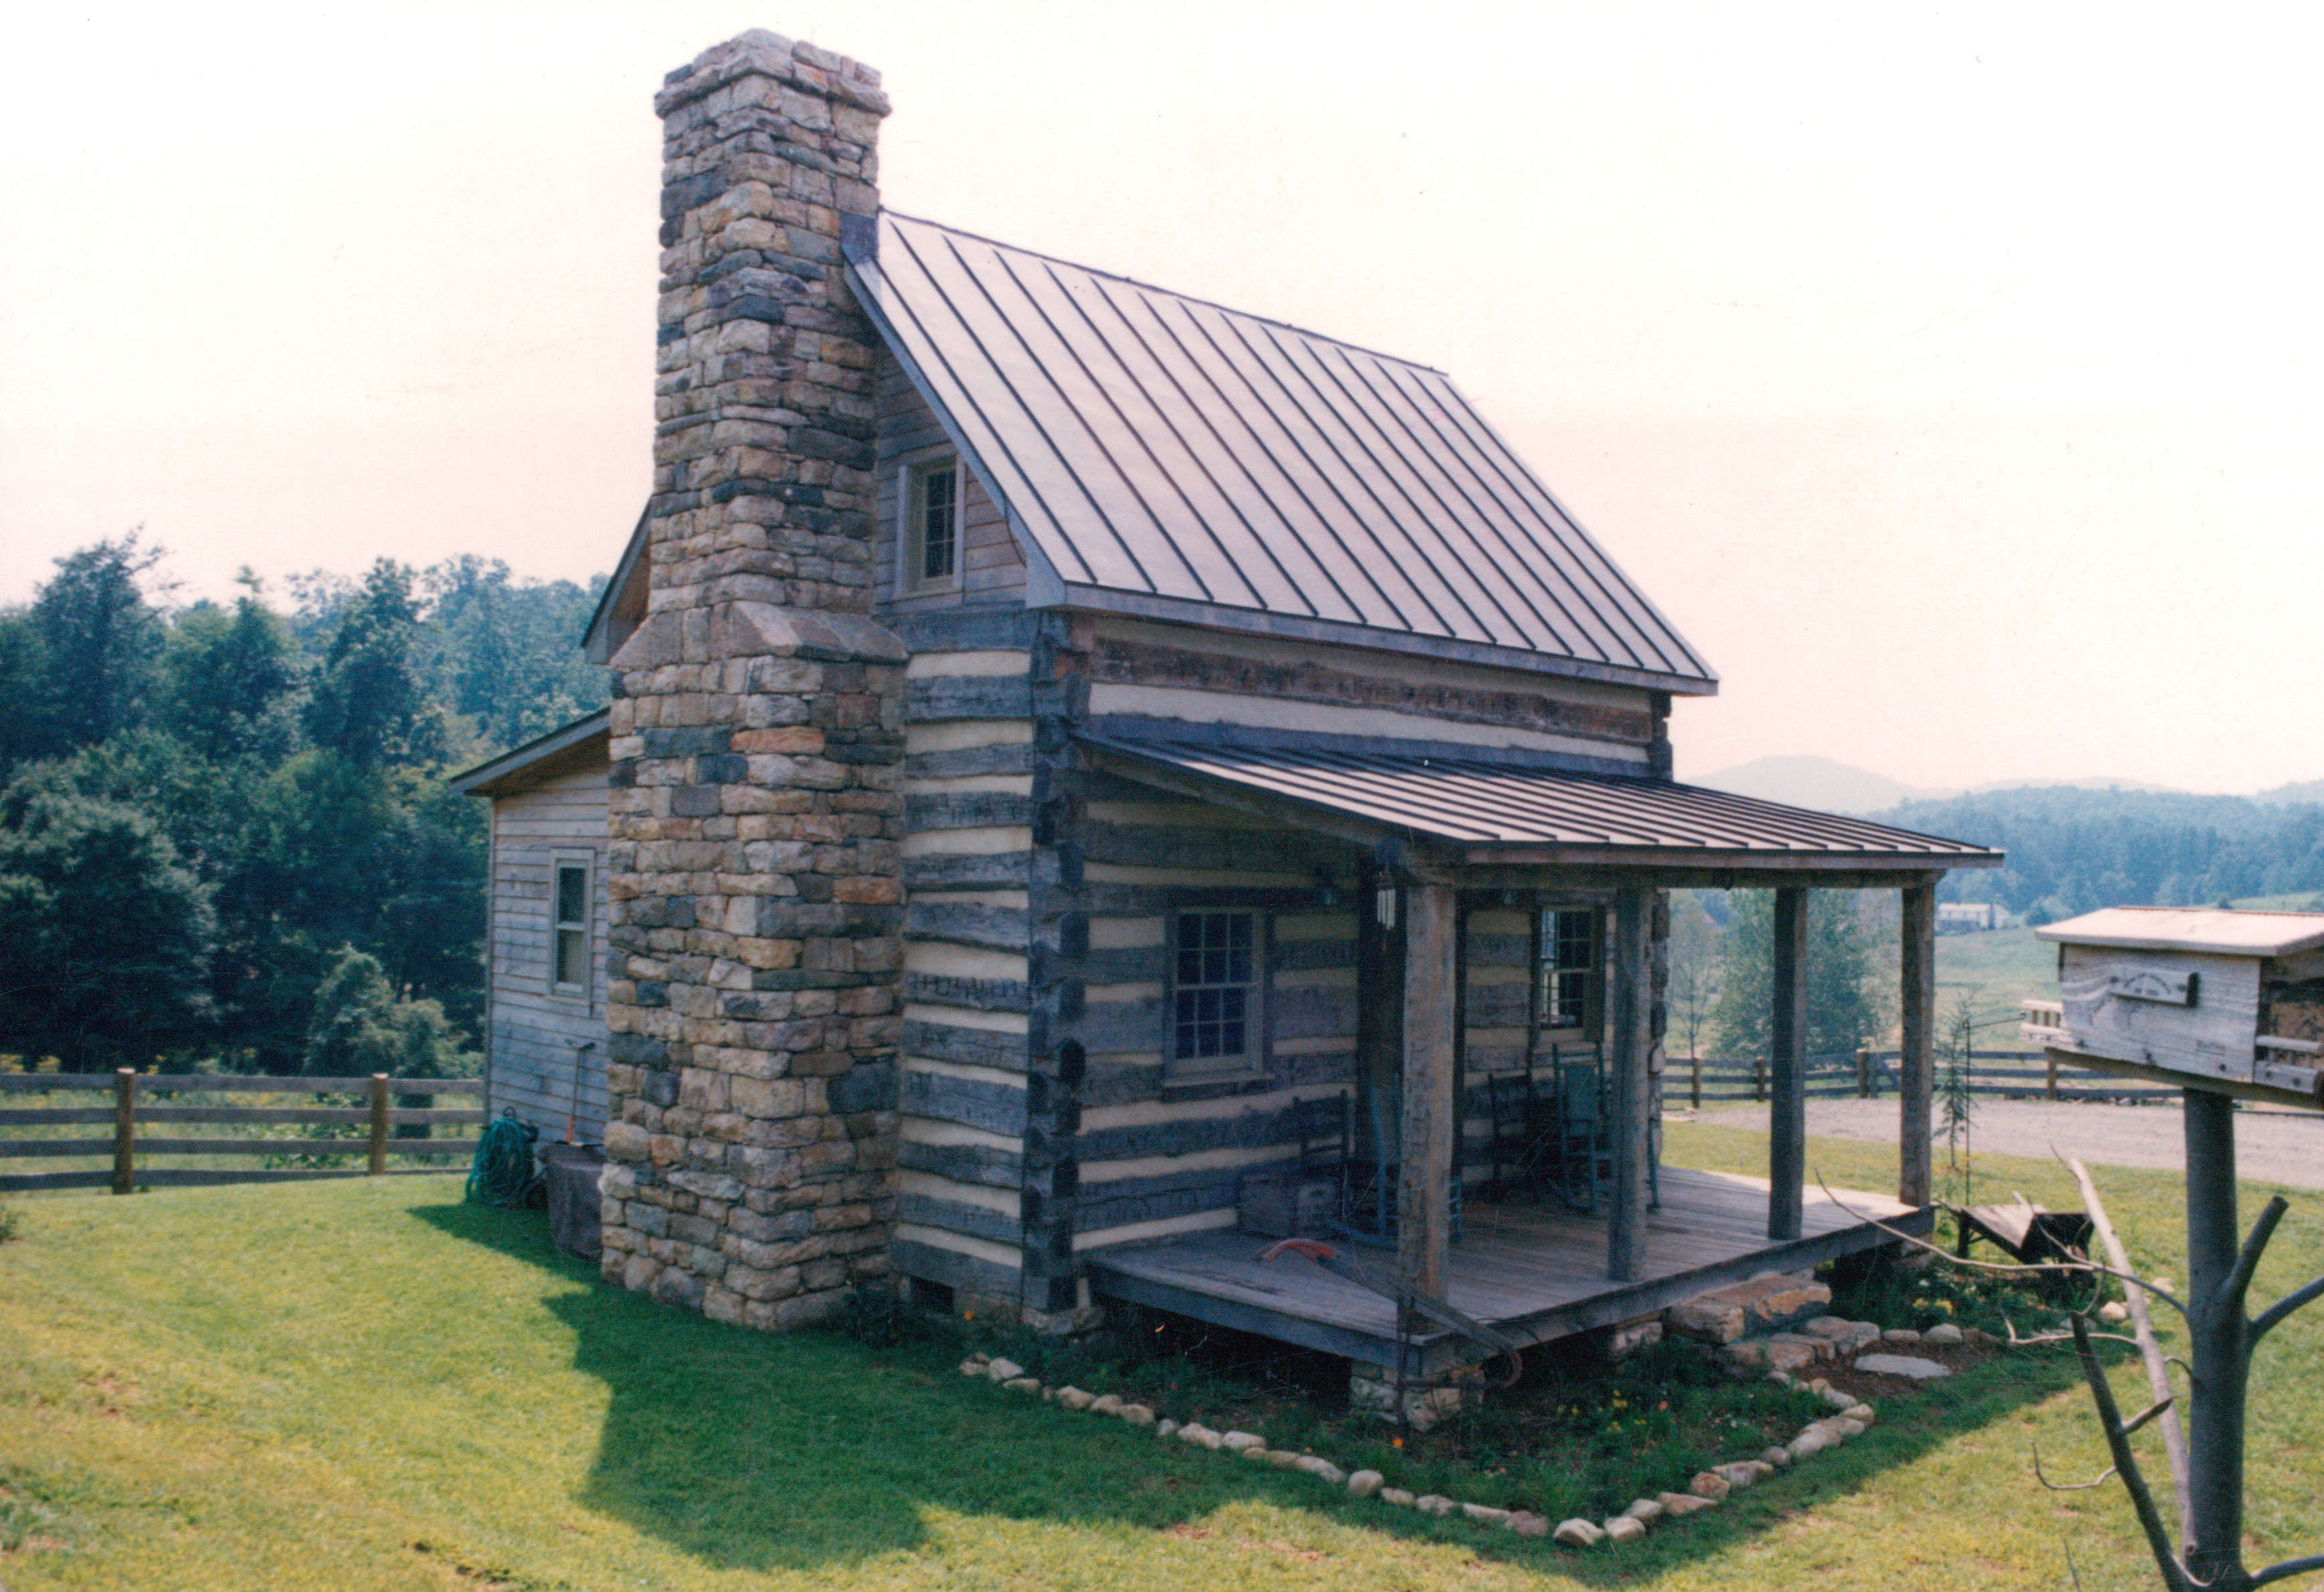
pixel 754 1452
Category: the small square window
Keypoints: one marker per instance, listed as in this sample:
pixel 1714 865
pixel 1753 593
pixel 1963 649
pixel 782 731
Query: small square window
pixel 930 498
pixel 1215 993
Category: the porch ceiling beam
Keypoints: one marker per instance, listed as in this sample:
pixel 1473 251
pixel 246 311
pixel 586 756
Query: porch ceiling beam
pixel 1631 985
pixel 1787 1058
pixel 1916 1065
pixel 1431 1117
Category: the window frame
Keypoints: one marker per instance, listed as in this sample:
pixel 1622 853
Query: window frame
pixel 1546 970
pixel 585 991
pixel 912 475
pixel 1254 1060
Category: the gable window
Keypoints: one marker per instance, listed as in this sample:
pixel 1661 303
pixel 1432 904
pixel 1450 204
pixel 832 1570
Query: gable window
pixel 1569 968
pixel 1215 994
pixel 568 942
pixel 930 498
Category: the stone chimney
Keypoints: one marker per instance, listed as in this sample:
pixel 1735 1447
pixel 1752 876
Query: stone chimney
pixel 754 877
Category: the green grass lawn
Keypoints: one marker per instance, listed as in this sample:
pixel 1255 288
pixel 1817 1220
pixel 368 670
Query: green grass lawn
pixel 369 1385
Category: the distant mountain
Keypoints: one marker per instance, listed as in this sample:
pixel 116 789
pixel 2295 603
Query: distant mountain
pixel 1819 783
pixel 2282 796
pixel 2088 782
pixel 1839 787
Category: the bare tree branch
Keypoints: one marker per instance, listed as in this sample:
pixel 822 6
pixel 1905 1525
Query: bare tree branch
pixel 2048 1269
pixel 2148 1414
pixel 2158 1375
pixel 2290 1567
pixel 2067 1486
pixel 2175 1576
pixel 2238 1281
pixel 2274 1314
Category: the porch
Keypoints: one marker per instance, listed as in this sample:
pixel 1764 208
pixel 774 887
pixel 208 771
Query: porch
pixel 1533 1272
pixel 1459 833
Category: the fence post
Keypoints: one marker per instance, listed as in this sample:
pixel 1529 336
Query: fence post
pixel 378 1123
pixel 1864 1074
pixel 1759 1078
pixel 1694 1090
pixel 124 1131
pixel 2053 1086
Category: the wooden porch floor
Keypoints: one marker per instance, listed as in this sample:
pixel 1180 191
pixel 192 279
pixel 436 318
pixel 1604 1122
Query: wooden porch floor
pixel 1535 1271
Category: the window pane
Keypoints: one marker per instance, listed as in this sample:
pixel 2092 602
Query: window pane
pixel 939 524
pixel 1217 968
pixel 572 956
pixel 1569 966
pixel 572 895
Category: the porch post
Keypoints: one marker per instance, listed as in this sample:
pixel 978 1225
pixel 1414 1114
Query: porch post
pixel 1787 1058
pixel 1916 1065
pixel 1430 1116
pixel 1631 988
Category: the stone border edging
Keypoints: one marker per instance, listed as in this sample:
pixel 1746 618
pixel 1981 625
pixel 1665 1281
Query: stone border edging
pixel 1850 1418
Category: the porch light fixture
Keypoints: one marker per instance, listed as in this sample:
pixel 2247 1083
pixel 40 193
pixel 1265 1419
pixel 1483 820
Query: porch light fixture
pixel 1326 893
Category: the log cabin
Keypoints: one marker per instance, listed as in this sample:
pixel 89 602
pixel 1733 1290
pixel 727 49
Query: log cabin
pixel 1095 777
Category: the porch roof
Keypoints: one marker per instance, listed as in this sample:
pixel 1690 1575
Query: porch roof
pixel 1485 812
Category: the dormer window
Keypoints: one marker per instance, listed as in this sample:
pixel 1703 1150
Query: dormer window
pixel 930 496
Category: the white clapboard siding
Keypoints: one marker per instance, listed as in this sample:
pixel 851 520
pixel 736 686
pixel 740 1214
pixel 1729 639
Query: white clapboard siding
pixel 539 1068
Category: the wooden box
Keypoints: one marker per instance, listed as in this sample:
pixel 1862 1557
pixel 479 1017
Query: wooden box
pixel 1287 1204
pixel 2232 997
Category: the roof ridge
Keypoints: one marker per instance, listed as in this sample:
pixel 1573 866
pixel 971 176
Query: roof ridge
pixel 1173 292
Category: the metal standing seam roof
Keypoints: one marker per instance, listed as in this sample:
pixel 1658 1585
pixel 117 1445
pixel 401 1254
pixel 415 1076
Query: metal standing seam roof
pixel 1489 804
pixel 1151 445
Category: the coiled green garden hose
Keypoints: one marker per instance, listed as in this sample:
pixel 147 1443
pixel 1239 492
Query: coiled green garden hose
pixel 501 1174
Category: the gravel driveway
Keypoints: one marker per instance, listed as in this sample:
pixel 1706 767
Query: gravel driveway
pixel 2274 1146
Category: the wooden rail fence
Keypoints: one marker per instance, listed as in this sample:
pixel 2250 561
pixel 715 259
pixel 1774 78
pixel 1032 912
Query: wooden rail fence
pixel 132 1108
pixel 1870 1073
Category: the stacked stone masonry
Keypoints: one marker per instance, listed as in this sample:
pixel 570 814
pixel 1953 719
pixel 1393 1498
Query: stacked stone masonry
pixel 754 867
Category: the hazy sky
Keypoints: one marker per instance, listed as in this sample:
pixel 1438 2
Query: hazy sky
pixel 1946 376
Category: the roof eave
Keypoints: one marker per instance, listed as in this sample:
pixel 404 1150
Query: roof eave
pixel 516 769
pixel 1214 616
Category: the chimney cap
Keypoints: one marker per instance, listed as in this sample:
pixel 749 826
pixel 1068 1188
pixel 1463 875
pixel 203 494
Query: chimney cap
pixel 803 66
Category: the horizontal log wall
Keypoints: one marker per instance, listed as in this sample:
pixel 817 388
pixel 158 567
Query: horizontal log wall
pixel 538 1065
pixel 1161 1151
pixel 961 1087
pixel 1139 670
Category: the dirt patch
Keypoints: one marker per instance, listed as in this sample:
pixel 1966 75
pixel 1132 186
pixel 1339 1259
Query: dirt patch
pixel 1873 1388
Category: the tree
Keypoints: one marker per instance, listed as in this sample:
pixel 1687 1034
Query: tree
pixel 104 937
pixel 1844 1000
pixel 75 666
pixel 370 705
pixel 360 1027
pixel 99 639
pixel 227 679
pixel 1695 953
pixel 507 656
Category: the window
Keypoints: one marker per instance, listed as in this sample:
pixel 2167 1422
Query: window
pixel 1215 993
pixel 929 495
pixel 568 947
pixel 1569 968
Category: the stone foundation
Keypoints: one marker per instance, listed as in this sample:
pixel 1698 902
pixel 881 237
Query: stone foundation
pixel 1418 1403
pixel 754 878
